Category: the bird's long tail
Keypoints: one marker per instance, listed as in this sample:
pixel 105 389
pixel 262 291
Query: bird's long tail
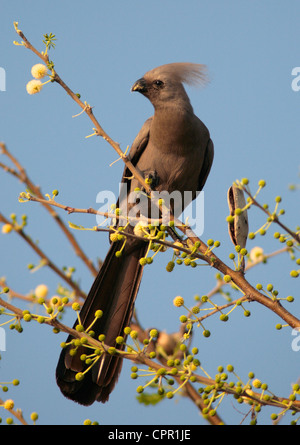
pixel 113 291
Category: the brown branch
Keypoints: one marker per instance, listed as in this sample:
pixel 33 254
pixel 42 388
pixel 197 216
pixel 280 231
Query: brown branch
pixel 90 210
pixel 29 298
pixel 88 110
pixel 44 257
pixel 239 280
pixel 16 413
pixel 209 257
pixel 141 358
pixel 21 174
pixel 275 218
pixel 189 390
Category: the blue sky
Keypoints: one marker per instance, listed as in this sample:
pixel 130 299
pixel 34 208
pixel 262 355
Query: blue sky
pixel 252 113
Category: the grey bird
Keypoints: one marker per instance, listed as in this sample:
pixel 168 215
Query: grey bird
pixel 174 148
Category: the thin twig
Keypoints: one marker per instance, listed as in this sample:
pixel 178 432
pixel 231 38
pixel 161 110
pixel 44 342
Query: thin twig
pixel 142 358
pixel 90 210
pixel 208 256
pixel 44 257
pixel 88 110
pixel 21 174
pixel 239 280
pixel 16 413
pixel 275 218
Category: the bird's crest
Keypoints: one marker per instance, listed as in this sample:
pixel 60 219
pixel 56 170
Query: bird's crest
pixel 189 73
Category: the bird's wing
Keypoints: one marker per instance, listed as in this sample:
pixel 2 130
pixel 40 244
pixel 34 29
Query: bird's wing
pixel 207 163
pixel 138 146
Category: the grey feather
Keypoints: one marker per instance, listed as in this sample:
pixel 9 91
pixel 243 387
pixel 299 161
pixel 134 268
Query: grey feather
pixel 189 73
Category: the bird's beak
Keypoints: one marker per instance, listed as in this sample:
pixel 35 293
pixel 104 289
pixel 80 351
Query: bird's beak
pixel 140 86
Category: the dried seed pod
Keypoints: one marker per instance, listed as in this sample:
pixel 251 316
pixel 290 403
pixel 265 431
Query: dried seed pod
pixel 238 229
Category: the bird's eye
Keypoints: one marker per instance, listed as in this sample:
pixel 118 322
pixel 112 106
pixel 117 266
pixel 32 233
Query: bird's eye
pixel 158 83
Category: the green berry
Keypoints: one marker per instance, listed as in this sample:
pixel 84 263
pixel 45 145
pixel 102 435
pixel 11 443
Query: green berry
pixel 134 335
pixel 27 317
pixel 227 278
pixel 79 328
pixel 127 330
pixel 79 376
pixel 34 416
pixel 76 306
pixel 170 266
pixel 154 333
pixel 230 219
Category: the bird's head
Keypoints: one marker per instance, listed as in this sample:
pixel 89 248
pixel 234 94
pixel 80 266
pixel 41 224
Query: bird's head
pixel 164 85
